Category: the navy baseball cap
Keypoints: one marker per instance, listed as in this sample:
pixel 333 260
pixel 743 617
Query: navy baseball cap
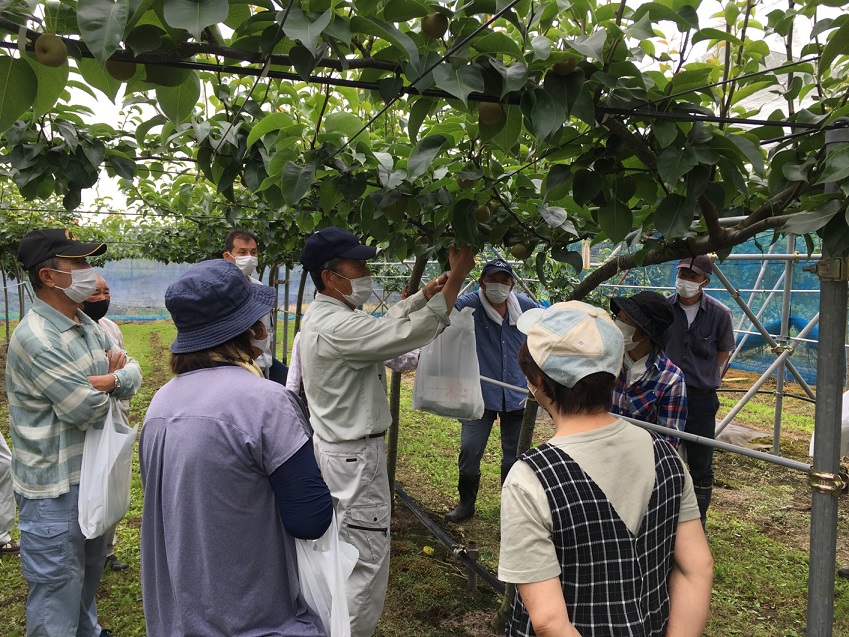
pixel 40 245
pixel 212 303
pixel 497 265
pixel 334 243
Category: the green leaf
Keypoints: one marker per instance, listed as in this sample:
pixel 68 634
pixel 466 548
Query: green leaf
pixel 641 29
pixel 685 18
pixel 569 257
pixel 390 87
pixel 750 150
pixel 558 175
pixel 542 48
pixel 506 135
pixel 94 73
pixel 665 132
pixel 195 15
pixel 102 24
pixel 297 27
pixel 404 10
pixel 123 166
pixel 423 155
pixel 673 216
pixel 18 90
pixel 420 109
pixel 836 166
pixel 546 115
pixel 716 34
pixel 616 221
pixel 463 221
pixel 178 102
pixel 498 43
pixel 145 38
pixel 51 83
pixel 401 41
pixel 296 181
pixel 554 216
pixel 303 61
pixel 514 77
pixel 838 44
pixel 585 186
pixel 272 122
pixel 811 221
pixel 674 163
pixel 591 46
pixel 343 122
pixel 459 82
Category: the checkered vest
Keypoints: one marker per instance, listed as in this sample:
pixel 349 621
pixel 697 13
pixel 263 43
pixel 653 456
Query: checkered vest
pixel 614 583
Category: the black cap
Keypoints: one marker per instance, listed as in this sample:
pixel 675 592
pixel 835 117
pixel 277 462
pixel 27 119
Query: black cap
pixel 497 265
pixel 40 245
pixel 333 243
pixel 649 310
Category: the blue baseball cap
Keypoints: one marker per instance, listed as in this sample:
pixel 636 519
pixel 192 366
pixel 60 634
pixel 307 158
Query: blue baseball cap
pixel 212 303
pixel 497 265
pixel 333 243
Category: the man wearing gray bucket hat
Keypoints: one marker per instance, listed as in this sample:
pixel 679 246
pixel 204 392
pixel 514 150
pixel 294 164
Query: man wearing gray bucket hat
pixel 599 526
pixel 650 387
pixel 228 471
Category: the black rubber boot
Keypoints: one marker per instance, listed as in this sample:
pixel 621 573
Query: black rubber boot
pixel 467 487
pixel 504 472
pixel 704 491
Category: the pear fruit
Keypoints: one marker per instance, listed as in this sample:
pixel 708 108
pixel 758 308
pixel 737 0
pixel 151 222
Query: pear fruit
pixel 519 251
pixel 489 113
pixel 435 24
pixel 465 184
pixel 482 213
pixel 120 70
pixel 51 50
pixel 565 67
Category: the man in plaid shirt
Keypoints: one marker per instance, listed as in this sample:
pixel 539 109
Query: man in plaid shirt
pixel 650 387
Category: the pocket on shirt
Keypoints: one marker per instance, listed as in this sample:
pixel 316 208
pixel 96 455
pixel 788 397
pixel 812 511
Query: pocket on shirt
pixel 705 345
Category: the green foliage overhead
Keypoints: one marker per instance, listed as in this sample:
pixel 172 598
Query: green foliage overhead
pixel 646 124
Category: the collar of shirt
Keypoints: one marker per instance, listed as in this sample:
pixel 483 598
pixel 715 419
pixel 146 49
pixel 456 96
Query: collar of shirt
pixel 59 320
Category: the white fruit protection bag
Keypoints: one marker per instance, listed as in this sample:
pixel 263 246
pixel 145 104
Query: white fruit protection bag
pixel 324 566
pixel 448 377
pixel 105 474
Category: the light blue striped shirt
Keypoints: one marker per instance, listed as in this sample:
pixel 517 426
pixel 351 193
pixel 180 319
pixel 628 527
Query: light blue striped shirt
pixel 51 401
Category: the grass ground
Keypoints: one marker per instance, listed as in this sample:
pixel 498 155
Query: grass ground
pixel 758 528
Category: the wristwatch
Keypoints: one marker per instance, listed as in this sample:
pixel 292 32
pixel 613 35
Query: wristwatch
pixel 117 383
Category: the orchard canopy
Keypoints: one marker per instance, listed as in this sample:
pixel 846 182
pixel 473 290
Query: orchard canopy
pixel 526 124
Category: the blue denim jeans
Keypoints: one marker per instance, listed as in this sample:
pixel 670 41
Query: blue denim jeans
pixel 61 566
pixel 475 434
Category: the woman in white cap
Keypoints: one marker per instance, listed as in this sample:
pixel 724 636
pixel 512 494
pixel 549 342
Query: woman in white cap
pixel 229 474
pixel 600 528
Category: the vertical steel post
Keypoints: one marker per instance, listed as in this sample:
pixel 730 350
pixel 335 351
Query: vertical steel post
pixel 285 356
pixel 783 340
pixel 825 482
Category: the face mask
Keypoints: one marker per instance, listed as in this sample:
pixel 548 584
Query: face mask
pixel 497 292
pixel 83 284
pixel 261 344
pixel 96 310
pixel 247 264
pixel 687 289
pixel 360 290
pixel 628 332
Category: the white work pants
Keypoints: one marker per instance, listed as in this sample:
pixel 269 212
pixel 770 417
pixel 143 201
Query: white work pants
pixel 355 472
pixel 7 496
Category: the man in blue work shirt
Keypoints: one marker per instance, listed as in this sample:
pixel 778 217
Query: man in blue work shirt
pixel 497 308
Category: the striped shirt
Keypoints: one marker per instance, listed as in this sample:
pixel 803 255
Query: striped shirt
pixel 51 401
pixel 659 396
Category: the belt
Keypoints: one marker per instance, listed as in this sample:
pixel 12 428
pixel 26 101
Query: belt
pixel 382 434
pixel 693 390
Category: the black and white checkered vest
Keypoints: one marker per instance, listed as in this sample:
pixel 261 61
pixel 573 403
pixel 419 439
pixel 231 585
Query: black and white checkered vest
pixel 614 583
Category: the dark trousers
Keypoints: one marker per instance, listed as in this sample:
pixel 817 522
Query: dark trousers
pixel 701 421
pixel 475 435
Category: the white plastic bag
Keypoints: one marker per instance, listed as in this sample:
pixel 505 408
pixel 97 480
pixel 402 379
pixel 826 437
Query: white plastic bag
pixel 324 566
pixel 105 474
pixel 844 430
pixel 448 378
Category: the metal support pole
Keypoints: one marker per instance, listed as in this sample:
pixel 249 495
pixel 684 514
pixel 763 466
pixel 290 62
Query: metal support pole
pixel 285 355
pixel 781 360
pixel 785 332
pixel 759 326
pixel 472 576
pixel 831 357
pixel 778 284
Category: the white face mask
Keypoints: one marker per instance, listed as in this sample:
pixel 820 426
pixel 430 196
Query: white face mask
pixel 360 290
pixel 83 284
pixel 687 289
pixel 247 264
pixel 497 292
pixel 628 332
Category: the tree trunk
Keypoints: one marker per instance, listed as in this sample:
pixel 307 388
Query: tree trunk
pixel 300 305
pixel 5 301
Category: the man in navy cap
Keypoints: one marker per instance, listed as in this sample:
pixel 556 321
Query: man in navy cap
pixel 497 308
pixel 699 342
pixel 342 354
pixel 61 375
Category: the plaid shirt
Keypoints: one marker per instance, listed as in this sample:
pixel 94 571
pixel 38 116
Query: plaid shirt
pixel 659 396
pixel 613 582
pixel 51 401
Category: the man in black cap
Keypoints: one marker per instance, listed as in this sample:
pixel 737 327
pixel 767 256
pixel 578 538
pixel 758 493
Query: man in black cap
pixel 699 342
pixel 497 308
pixel 649 387
pixel 61 374
pixel 342 353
